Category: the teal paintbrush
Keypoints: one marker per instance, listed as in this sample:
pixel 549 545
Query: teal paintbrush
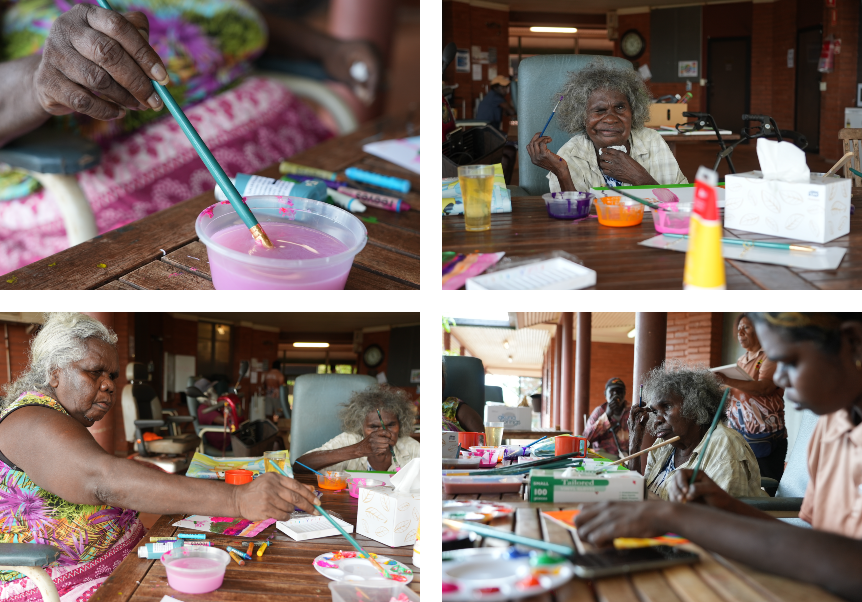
pixel 206 156
pixel 719 410
pixel 755 243
pixel 634 198
pixel 509 536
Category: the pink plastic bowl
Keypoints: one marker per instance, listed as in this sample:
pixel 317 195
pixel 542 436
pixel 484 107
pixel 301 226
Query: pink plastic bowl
pixel 354 485
pixel 672 218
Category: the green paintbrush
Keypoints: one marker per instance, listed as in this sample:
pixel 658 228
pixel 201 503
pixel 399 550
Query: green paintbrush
pixel 210 162
pixel 510 537
pixel 755 243
pixel 634 198
pixel 718 413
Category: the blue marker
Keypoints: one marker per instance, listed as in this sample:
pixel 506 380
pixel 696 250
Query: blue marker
pixel 377 179
pixel 191 535
pixel 551 117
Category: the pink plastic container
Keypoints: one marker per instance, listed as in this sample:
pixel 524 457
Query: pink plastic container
pixel 195 569
pixel 672 218
pixel 316 243
pixel 354 485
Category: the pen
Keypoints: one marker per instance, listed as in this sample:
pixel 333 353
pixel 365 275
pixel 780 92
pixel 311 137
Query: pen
pixel 551 117
pixel 755 243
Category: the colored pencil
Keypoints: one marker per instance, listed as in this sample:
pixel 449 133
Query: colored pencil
pixel 718 412
pixel 485 531
pixel 756 243
pixel 640 453
pixel 209 160
pixel 551 117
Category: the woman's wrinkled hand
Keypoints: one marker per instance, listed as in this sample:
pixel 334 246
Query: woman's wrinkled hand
pixel 622 167
pixel 357 64
pixel 98 62
pixel 599 524
pixel 275 496
pixel 542 157
pixel 638 418
pixel 377 443
pixel 704 490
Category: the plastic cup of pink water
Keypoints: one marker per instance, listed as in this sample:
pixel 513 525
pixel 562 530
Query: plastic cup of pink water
pixel 315 244
pixel 195 569
pixel 355 484
pixel 672 218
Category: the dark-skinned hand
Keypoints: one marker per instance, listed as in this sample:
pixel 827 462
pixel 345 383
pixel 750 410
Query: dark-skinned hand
pixel 704 490
pixel 542 157
pixel 98 62
pixel 273 495
pixel 638 419
pixel 377 443
pixel 341 58
pixel 622 167
pixel 600 523
pixel 615 406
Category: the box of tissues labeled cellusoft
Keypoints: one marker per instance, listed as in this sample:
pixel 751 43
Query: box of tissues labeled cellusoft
pixel 390 515
pixel 785 200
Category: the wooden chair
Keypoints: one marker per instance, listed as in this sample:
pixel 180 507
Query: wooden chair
pixel 852 140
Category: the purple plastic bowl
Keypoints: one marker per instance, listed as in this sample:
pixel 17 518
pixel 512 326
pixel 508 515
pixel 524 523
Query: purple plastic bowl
pixel 568 205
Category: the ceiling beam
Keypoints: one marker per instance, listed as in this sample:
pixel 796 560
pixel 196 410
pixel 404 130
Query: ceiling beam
pixel 333 338
pixel 536 18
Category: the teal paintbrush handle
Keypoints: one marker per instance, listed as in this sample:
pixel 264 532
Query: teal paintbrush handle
pixel 201 149
pixel 519 539
pixel 742 243
pixel 718 412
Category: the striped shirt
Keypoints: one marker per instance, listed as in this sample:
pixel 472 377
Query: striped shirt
pixel 648 148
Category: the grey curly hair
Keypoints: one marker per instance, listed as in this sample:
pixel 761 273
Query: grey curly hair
pixel 699 389
pixel 392 400
pixel 598 75
pixel 60 342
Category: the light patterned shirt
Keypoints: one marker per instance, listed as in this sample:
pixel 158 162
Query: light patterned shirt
pixel 648 148
pixel 729 462
pixel 406 448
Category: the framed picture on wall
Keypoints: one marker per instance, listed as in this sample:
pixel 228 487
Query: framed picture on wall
pixel 687 69
pixel 462 61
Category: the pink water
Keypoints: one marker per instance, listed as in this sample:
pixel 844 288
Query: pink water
pixel 208 579
pixel 292 242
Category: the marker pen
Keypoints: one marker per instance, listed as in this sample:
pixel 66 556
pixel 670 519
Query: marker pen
pixel 381 201
pixel 192 535
pixel 248 185
pixel 369 177
pixel 344 201
pixel 154 551
pixel 287 167
pixel 329 183
pixel 172 538
pixel 239 553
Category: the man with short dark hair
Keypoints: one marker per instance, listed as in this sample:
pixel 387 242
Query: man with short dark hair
pixel 607 427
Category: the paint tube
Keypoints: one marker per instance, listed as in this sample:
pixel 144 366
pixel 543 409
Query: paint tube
pixel 345 202
pixel 381 201
pixel 287 167
pixel 376 179
pixel 248 185
pixel 154 551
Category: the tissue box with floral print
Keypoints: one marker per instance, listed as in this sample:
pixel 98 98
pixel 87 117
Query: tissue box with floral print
pixel 390 515
pixel 814 211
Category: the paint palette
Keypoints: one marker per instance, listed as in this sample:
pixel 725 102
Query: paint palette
pixel 475 510
pixel 358 569
pixel 496 574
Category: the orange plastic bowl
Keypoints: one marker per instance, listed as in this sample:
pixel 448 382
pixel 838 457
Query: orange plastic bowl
pixel 333 480
pixel 618 212
pixel 238 477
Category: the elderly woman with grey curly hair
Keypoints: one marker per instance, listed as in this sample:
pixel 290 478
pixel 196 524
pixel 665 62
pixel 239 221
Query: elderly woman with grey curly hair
pixel 682 401
pixel 605 108
pixel 365 444
pixel 59 487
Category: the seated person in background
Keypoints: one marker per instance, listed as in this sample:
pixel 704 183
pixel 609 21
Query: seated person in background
pixel 605 109
pixel 494 106
pixel 819 365
pixel 273 380
pixel 364 445
pixel 608 426
pixel 682 401
pixel 458 416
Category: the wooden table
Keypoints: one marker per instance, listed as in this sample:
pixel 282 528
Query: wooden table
pixel 533 433
pixel 685 139
pixel 284 572
pixel 133 256
pixel 713 579
pixel 621 263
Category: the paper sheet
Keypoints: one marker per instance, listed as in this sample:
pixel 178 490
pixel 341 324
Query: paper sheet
pixel 222 525
pixel 403 152
pixel 822 258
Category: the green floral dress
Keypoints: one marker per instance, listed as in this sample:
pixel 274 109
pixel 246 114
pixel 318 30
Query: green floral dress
pixel 92 540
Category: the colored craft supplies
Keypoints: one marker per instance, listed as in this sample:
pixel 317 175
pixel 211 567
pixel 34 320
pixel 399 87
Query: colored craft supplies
pixel 376 179
pixel 239 553
pixel 262 547
pixel 171 538
pixel 302 170
pixel 238 560
pixel 381 201
pixel 704 264
pixel 192 535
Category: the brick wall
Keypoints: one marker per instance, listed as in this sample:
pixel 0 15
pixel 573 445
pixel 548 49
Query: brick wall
pixel 607 361
pixel 19 346
pixel 761 52
pixel 470 26
pixel 694 337
pixel 841 83
pixel 783 77
pixel 181 336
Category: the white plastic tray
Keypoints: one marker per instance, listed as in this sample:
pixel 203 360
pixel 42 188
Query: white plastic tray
pixel 556 274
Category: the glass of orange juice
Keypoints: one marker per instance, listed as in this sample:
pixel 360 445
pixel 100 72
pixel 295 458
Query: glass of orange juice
pixel 477 188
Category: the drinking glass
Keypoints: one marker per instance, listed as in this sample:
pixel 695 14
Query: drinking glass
pixel 477 187
pixel 494 433
pixel 275 457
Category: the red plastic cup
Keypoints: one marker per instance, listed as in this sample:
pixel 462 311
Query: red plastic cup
pixel 468 440
pixel 570 444
pixel 238 477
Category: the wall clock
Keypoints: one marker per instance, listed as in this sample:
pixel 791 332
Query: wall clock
pixel 632 44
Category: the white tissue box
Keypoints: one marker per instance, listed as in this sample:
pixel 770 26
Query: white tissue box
pixel 515 418
pixel 815 211
pixel 450 444
pixel 553 486
pixel 388 516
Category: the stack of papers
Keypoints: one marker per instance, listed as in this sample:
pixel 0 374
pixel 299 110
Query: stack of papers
pixel 312 527
pixel 403 152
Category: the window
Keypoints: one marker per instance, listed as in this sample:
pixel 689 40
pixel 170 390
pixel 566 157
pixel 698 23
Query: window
pixel 339 369
pixel 213 348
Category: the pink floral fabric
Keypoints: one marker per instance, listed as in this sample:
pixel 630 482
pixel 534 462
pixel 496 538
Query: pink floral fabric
pixel 247 128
